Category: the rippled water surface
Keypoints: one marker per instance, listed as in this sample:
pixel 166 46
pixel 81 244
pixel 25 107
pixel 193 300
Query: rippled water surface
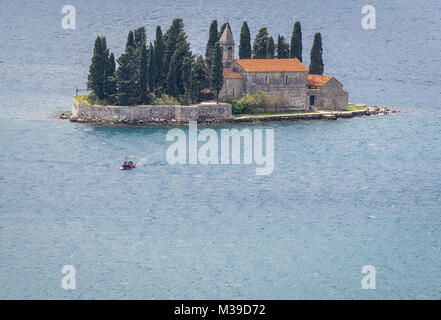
pixel 343 194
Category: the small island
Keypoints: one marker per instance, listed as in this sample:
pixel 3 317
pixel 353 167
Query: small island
pixel 164 83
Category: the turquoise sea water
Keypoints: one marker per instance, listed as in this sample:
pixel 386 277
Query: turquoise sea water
pixel 343 194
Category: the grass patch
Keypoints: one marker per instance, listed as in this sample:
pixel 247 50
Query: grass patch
pixel 353 107
pixel 89 98
pixel 274 113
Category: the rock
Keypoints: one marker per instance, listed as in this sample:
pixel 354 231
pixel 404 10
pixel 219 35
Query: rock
pixel 329 117
pixel 370 111
pixel 347 114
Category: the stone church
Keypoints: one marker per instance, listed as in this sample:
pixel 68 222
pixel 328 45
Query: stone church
pixel 287 77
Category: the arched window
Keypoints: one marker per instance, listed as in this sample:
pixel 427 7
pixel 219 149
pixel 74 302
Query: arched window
pixel 286 79
pixel 266 80
pixel 230 53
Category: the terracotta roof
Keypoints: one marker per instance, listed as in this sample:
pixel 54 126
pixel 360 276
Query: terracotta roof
pixel 316 80
pixel 230 74
pixel 271 65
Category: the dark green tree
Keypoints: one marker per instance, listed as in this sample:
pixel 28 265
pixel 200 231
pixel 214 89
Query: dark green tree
pixel 100 69
pixel 259 45
pixel 139 37
pixel 316 66
pixel 199 78
pixel 159 59
pixel 212 39
pixel 143 74
pixel 181 52
pixel 270 48
pixel 172 88
pixel 170 40
pixel 282 48
pixel 110 88
pixel 295 51
pixel 126 77
pixel 245 42
pixel 130 41
pixel 186 76
pixel 216 74
pixel 151 68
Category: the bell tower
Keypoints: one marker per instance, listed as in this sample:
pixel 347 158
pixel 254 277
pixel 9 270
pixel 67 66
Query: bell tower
pixel 226 43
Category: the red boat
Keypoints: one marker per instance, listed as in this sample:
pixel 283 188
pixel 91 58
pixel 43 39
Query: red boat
pixel 127 164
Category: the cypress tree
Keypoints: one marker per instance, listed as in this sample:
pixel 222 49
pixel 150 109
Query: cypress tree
pixel 142 79
pixel 216 75
pixel 151 68
pixel 212 39
pixel 296 42
pixel 245 42
pixel 282 48
pixel 316 65
pixel 139 37
pixel 130 41
pixel 110 89
pixel 172 88
pixel 97 77
pixel 186 76
pixel 259 45
pixel 270 48
pixel 170 40
pixel 199 78
pixel 181 52
pixel 159 59
pixel 126 78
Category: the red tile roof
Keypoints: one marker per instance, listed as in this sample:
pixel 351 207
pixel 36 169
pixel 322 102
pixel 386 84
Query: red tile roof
pixel 271 65
pixel 316 80
pixel 230 74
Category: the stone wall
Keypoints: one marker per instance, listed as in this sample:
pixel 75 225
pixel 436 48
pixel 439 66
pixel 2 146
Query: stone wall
pixel 204 112
pixel 331 96
pixel 290 84
pixel 232 87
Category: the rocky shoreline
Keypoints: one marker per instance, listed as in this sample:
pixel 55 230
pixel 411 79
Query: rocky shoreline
pixel 321 115
pixel 324 115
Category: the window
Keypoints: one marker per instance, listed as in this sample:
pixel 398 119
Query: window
pixel 311 100
pixel 266 80
pixel 286 79
pixel 230 53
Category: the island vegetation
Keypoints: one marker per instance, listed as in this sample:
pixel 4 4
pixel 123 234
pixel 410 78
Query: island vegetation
pixel 166 72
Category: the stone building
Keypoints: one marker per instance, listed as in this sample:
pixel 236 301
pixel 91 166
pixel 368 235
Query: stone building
pixel 326 92
pixel 284 77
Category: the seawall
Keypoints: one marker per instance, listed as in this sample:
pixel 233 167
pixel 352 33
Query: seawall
pixel 151 114
pixel 202 113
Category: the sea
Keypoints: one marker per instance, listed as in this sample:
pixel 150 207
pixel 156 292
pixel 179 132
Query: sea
pixel 343 194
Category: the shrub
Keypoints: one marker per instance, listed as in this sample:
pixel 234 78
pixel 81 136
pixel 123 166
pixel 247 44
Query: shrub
pixel 90 98
pixel 236 107
pixel 256 101
pixel 253 101
pixel 165 99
